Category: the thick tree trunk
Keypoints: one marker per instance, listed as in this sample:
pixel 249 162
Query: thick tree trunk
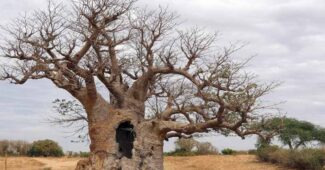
pixel 107 153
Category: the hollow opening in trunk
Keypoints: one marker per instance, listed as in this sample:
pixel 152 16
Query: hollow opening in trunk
pixel 125 135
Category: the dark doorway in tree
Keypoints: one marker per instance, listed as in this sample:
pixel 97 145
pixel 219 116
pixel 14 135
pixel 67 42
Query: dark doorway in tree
pixel 125 137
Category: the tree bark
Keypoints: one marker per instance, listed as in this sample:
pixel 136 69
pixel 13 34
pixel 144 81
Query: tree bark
pixel 290 145
pixel 147 152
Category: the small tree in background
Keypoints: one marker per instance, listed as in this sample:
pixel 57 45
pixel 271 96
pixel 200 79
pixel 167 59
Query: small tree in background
pixel 294 133
pixel 228 151
pixel 269 128
pixel 299 133
pixel 186 145
pixel 193 147
pixel 206 148
pixel 45 148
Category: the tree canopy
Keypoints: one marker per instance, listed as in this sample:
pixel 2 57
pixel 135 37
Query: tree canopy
pixel 143 59
pixel 295 133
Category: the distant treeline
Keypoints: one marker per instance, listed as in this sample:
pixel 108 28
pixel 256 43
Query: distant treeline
pixel 37 148
pixel 14 147
pixel 77 154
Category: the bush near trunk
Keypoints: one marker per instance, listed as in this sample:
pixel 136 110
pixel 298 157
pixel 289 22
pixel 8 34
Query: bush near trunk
pixel 304 159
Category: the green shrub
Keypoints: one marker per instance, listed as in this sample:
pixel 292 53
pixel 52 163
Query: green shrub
pixel 45 148
pixel 305 159
pixel 84 154
pixel 263 153
pixel 228 151
pixel 280 156
pixel 181 152
pixel 252 152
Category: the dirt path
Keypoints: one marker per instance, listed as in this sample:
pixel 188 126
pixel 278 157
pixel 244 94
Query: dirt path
pixel 239 162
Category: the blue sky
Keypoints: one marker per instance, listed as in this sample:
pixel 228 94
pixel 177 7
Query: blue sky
pixel 287 38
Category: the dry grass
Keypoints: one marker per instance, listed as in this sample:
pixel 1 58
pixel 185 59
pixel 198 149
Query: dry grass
pixel 20 163
pixel 242 162
pixel 236 162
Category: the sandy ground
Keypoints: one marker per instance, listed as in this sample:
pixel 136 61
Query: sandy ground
pixel 58 163
pixel 239 162
pixel 20 163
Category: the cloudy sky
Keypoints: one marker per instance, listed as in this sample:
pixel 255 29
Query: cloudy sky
pixel 287 38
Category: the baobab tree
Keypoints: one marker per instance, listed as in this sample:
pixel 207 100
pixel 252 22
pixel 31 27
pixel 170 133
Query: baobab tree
pixel 162 81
